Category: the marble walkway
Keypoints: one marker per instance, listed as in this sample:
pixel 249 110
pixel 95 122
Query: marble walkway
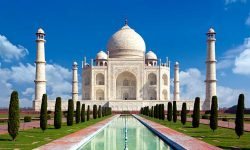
pixel 174 137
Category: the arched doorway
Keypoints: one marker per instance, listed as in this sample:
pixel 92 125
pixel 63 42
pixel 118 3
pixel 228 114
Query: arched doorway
pixel 126 86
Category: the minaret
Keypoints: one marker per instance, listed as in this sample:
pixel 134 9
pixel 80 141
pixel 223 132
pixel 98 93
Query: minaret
pixel 210 70
pixel 74 82
pixel 176 82
pixel 40 81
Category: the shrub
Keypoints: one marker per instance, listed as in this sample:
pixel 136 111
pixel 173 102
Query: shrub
pixel 83 113
pixel 207 112
pixel 78 111
pixel 58 113
pixel 48 117
pixel 225 119
pixel 94 111
pixel 13 119
pixel 239 120
pixel 43 113
pixel 152 111
pixel 169 115
pixel 27 119
pixel 70 115
pixel 99 111
pixel 214 114
pixel 88 113
pixel 205 116
pixel 196 113
pixel 184 113
pixel 174 111
pixel 163 112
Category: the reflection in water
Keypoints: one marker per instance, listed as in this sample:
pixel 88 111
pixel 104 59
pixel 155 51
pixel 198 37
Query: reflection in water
pixel 113 137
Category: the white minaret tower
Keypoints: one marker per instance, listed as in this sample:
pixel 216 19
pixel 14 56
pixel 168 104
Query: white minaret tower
pixel 74 82
pixel 40 81
pixel 176 82
pixel 211 69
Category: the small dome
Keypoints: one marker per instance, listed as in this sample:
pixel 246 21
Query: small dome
pixel 40 31
pixel 101 55
pixel 75 63
pixel 126 43
pixel 211 30
pixel 151 55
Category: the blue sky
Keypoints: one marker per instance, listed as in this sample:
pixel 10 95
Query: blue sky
pixel 174 29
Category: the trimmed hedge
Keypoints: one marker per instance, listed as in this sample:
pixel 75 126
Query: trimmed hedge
pixel 58 113
pixel 14 118
pixel 43 113
pixel 70 115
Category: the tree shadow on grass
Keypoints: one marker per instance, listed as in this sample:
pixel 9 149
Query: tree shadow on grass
pixel 1 139
pixel 233 148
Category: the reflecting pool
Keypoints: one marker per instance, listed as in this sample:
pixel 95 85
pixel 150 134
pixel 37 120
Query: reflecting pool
pixel 113 137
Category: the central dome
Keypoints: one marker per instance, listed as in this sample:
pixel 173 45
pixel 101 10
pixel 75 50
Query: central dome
pixel 126 43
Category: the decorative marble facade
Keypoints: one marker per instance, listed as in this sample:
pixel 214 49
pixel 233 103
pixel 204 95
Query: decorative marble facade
pixel 125 77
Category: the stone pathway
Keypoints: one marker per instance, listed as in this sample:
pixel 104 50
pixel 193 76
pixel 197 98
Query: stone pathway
pixel 224 124
pixel 76 139
pixel 174 137
pixel 24 126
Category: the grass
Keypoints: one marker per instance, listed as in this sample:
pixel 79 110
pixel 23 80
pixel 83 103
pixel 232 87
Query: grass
pixel 33 138
pixel 222 137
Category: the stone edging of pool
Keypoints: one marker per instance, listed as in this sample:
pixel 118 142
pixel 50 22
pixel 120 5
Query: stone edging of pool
pixel 77 139
pixel 175 139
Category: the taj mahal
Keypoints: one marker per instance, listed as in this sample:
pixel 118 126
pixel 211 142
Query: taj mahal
pixel 126 76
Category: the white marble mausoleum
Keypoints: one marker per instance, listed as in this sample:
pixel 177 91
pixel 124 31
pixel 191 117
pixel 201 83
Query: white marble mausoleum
pixel 125 76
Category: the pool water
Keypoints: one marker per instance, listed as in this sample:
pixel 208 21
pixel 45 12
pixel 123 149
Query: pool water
pixel 113 137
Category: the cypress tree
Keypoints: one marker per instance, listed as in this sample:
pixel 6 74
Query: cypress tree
pixel 94 111
pixel 196 113
pixel 184 113
pixel 160 111
pixel 70 115
pixel 88 113
pixel 174 111
pixel 214 114
pixel 152 111
pixel 58 114
pixel 78 111
pixel 99 111
pixel 157 111
pixel 13 119
pixel 169 115
pixel 83 113
pixel 239 120
pixel 43 113
pixel 163 112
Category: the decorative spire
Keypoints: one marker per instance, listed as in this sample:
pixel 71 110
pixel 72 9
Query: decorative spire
pixel 126 21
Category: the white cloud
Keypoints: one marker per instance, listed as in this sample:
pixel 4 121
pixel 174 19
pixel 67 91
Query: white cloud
pixel 242 61
pixel 192 85
pixel 248 20
pixel 21 78
pixel 9 51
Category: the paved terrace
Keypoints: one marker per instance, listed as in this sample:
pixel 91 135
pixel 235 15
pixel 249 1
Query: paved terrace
pixel 223 124
pixel 75 140
pixel 174 137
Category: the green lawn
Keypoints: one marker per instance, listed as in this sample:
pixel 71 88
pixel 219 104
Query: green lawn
pixel 222 137
pixel 33 138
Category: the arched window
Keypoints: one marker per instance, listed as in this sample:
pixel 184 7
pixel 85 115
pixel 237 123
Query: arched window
pixel 125 82
pixel 165 79
pixel 99 79
pixel 99 94
pixel 152 79
pixel 165 94
pixel 152 94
